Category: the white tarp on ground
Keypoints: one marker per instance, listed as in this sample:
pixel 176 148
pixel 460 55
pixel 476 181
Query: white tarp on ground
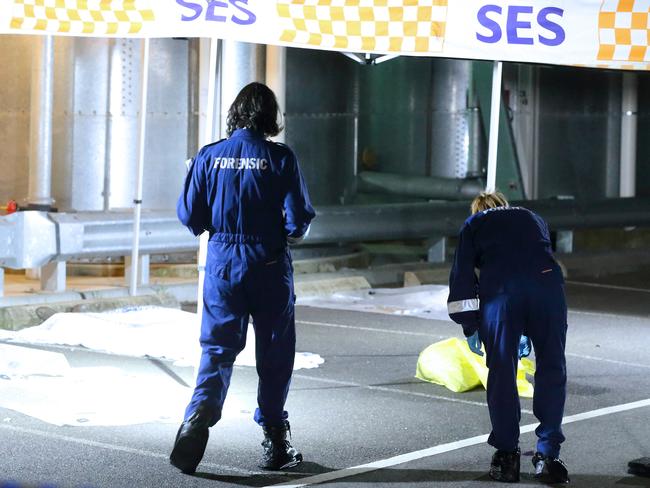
pixel 44 385
pixel 155 332
pixel 427 301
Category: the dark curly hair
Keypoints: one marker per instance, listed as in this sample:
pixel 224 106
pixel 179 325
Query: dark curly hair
pixel 256 108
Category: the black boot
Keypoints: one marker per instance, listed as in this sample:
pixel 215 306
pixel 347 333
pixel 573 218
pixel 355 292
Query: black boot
pixel 505 466
pixel 191 439
pixel 278 453
pixel 550 470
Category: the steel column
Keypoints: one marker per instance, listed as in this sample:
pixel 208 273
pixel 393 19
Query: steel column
pixel 628 135
pixel 142 273
pixel 208 73
pixel 276 79
pixel 53 276
pixel 613 130
pixel 495 110
pixel 193 94
pixel 142 132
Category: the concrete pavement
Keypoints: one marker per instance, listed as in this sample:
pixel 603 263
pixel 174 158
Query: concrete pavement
pixel 364 406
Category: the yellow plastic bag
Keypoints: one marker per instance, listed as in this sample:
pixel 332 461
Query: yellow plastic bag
pixel 444 363
pixel 452 364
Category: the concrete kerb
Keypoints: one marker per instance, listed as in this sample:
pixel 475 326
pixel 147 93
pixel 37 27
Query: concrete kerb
pixel 26 311
pixel 18 317
pixel 29 310
pixel 17 312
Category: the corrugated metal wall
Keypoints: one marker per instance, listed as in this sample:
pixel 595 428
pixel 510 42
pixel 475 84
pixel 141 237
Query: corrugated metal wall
pixel 395 116
pixel 320 121
pixel 416 118
pixel 410 116
pixel 572 128
pixel 96 103
pixel 15 58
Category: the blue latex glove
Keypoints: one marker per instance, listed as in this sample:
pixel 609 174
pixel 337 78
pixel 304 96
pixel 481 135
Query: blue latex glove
pixel 524 347
pixel 474 343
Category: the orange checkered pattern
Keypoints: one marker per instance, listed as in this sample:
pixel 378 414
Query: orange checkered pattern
pixel 624 30
pixel 365 25
pixel 100 17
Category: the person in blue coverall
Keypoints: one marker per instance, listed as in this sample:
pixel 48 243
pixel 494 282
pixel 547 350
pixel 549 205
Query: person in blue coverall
pixel 249 194
pixel 504 288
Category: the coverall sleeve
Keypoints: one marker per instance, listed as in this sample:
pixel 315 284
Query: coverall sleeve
pixel 463 302
pixel 192 208
pixel 297 205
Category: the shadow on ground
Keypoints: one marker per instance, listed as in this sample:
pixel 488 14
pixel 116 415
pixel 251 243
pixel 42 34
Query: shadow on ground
pixel 414 476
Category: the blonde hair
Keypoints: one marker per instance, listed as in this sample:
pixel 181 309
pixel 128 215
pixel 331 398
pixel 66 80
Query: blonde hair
pixel 488 199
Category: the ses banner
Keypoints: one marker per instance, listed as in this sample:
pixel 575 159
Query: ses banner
pixel 611 34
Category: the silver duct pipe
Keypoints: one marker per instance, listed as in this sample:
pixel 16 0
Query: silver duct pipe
pixel 419 186
pixel 241 64
pixel 31 239
pixel 359 223
pixel 455 149
pixel 39 194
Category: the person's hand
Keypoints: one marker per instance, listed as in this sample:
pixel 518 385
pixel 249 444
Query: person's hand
pixel 474 343
pixel 294 240
pixel 524 347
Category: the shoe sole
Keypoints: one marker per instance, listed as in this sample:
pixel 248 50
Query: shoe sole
pixel 551 474
pixel 552 479
pixel 501 480
pixel 188 452
pixel 294 462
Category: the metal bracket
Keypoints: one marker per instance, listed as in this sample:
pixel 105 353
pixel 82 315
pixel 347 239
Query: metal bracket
pixel 370 59
pixel 437 252
pixel 564 241
pixel 143 269
pixel 53 276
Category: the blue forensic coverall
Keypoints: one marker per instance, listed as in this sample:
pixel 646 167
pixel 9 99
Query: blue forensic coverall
pixel 519 290
pixel 249 194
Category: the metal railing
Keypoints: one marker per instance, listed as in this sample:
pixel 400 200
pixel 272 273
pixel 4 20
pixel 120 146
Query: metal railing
pixel 33 239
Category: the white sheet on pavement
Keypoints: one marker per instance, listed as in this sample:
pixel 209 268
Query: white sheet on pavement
pixel 42 384
pixel 426 301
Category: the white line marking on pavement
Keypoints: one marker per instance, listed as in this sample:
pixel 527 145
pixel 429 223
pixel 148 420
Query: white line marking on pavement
pixel 605 360
pixel 401 392
pixel 437 397
pixel 613 287
pixel 124 449
pixel 371 329
pixel 451 446
pixel 381 388
pixel 628 319
pixel 600 314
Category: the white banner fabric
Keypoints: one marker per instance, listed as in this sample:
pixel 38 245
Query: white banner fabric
pixel 612 34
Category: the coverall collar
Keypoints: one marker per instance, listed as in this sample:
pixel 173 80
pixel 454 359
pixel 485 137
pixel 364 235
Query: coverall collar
pixel 248 133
